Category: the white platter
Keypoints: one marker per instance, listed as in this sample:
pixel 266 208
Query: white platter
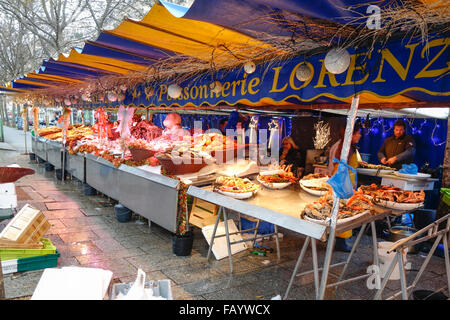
pixel 373 172
pixel 238 195
pixel 339 221
pixel 313 182
pixel 397 205
pixel 274 186
pixel 313 192
pixel 419 175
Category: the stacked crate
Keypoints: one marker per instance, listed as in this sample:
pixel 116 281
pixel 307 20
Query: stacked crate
pixel 22 243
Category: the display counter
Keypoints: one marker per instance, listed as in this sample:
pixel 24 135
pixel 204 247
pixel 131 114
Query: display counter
pixel 103 176
pixel 150 195
pixel 75 164
pixel 38 147
pixel 54 153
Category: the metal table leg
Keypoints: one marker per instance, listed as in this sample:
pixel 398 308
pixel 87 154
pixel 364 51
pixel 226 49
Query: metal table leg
pixel 230 256
pixel 375 244
pixel 326 264
pixel 315 266
pixel 355 245
pixel 219 213
pixel 427 260
pixel 277 241
pixel 297 265
pixel 446 258
pixel 386 278
pixel 256 232
pixel 402 274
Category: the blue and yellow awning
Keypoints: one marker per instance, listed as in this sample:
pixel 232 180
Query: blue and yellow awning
pixel 233 30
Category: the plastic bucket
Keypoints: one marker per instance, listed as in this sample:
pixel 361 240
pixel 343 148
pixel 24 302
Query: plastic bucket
pixel 40 160
pixel 123 214
pixel 49 167
pixel 182 244
pixel 32 156
pixel 59 174
pixel 387 258
pixel 428 295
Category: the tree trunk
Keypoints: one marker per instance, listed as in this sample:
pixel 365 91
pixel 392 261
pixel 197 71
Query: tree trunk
pixel 443 209
pixel 446 166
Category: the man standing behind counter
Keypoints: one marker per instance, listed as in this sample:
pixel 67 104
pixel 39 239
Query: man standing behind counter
pixel 398 149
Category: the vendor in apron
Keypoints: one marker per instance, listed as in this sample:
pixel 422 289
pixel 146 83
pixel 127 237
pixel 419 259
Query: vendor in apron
pixel 353 160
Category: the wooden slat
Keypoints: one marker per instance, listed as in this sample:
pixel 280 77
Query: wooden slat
pixel 203 213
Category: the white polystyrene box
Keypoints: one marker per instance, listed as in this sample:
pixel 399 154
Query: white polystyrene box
pixel 7 188
pixel 8 201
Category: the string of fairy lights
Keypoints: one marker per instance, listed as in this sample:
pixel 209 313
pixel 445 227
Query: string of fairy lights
pixel 375 125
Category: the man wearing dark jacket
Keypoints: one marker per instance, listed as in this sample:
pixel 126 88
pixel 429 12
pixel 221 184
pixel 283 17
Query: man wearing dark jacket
pixel 398 149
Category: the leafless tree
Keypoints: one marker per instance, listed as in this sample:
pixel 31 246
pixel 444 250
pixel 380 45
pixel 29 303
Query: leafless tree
pixel 33 30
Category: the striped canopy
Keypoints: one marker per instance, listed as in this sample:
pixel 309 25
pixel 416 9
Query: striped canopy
pixel 221 27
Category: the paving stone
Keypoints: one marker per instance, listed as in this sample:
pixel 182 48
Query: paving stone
pixel 78 236
pixel 118 266
pixel 108 244
pixel 21 284
pixel 102 255
pixel 62 205
pixel 191 273
pixel 77 249
pixel 62 214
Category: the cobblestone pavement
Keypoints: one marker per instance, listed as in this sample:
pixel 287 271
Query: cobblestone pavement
pixel 86 233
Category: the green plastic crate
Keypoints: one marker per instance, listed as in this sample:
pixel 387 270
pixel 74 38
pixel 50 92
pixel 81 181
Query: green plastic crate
pixel 15 253
pixel 446 195
pixel 31 263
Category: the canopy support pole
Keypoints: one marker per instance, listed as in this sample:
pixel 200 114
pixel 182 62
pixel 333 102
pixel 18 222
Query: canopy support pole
pixel 331 237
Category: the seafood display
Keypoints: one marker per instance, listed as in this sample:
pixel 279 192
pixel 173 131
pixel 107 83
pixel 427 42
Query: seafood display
pixel 74 132
pixel 392 194
pixel 321 209
pixel 314 176
pixel 375 166
pixel 144 129
pixel 235 187
pixel 315 184
pixel 282 175
pixel 48 131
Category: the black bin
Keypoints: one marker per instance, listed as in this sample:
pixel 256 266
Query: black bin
pixel 182 244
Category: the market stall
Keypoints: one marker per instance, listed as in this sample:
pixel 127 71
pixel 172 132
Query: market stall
pixel 250 69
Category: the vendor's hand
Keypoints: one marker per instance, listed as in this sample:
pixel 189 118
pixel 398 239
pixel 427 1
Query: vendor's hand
pixel 383 161
pixel 363 163
pixel 392 160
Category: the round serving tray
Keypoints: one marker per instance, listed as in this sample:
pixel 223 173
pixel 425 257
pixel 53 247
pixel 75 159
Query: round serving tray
pixel 313 192
pixel 274 186
pixel 397 205
pixel 237 195
pixel 374 172
pixel 339 221
pixel 419 175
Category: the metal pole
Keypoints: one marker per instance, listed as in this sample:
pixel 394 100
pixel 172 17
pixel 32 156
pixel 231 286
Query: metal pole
pixel 344 154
